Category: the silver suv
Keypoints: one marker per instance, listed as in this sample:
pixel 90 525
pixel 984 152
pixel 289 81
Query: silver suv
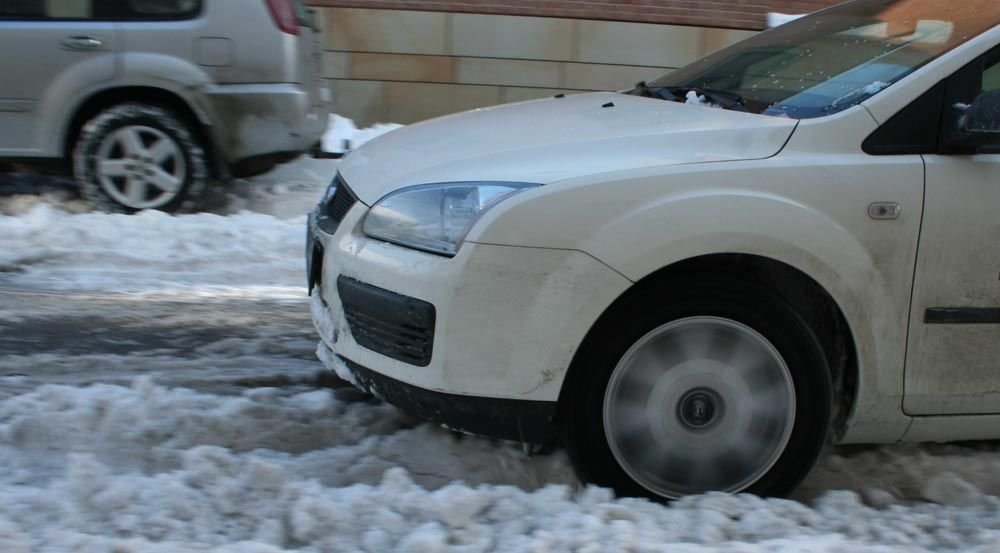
pixel 147 101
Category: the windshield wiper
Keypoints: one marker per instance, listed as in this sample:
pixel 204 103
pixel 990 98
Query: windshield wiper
pixel 661 92
pixel 722 98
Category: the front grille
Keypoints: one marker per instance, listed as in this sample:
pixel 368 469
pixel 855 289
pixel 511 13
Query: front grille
pixel 388 323
pixel 342 201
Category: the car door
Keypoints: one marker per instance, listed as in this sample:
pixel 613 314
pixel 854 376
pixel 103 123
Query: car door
pixel 953 359
pixel 51 51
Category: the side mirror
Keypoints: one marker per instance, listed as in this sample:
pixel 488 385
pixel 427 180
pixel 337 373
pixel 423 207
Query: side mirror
pixel 973 128
pixel 982 119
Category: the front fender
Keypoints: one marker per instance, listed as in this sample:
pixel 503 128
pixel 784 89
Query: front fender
pixel 806 211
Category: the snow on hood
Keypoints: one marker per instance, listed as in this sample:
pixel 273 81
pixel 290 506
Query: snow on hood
pixel 546 141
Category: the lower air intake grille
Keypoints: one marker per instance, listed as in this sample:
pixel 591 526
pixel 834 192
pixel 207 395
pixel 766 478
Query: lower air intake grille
pixel 385 322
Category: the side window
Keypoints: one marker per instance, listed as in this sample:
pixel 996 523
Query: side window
pixel 964 86
pixel 163 9
pixel 69 9
pixel 991 77
pixel 46 9
pixel 104 10
pixel 13 9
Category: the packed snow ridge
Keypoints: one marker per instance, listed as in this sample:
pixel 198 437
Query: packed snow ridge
pixel 147 468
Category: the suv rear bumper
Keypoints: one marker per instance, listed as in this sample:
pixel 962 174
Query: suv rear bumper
pixel 253 120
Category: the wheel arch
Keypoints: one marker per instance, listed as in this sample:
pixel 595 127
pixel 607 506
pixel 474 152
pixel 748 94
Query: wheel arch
pixel 813 302
pixel 107 98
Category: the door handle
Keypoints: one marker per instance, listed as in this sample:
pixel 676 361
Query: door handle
pixel 82 43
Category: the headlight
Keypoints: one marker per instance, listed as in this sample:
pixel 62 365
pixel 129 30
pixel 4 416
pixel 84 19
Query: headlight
pixel 435 217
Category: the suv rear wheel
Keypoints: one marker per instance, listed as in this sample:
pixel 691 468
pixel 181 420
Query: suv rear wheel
pixel 137 156
pixel 701 384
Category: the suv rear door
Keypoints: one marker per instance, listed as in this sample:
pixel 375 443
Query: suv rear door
pixel 51 52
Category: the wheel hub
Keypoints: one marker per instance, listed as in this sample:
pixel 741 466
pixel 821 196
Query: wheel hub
pixel 699 408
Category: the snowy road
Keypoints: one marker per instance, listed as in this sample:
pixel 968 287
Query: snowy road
pixel 159 392
pixel 221 345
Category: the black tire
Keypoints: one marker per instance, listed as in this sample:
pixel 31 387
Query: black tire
pixel 187 167
pixel 650 307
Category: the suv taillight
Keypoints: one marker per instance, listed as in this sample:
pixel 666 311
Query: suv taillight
pixel 283 13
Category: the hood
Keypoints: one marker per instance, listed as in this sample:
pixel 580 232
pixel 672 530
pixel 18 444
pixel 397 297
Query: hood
pixel 546 141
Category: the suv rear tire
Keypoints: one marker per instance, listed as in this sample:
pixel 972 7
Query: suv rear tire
pixel 698 384
pixel 135 156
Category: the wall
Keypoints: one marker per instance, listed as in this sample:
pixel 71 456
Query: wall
pixel 403 66
pixel 735 14
pixel 407 60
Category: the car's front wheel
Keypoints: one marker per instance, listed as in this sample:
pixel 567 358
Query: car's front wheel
pixel 699 384
pixel 136 156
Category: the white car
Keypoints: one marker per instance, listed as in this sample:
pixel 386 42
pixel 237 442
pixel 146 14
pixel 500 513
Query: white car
pixel 696 284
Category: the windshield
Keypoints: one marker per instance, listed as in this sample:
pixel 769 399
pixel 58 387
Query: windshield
pixel 829 61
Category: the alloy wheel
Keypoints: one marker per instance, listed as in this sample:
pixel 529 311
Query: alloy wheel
pixel 699 404
pixel 141 167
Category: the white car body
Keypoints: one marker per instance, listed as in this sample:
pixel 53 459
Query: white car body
pixel 643 184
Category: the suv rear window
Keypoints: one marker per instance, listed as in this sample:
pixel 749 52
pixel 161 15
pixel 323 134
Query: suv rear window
pixel 107 10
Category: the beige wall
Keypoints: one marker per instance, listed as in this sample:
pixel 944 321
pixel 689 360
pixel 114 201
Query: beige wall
pixel 404 66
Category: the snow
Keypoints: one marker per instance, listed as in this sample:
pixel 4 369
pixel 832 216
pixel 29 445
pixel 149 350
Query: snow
pixel 326 355
pixel 249 246
pixel 693 97
pixel 150 468
pixel 160 392
pixel 874 88
pixel 342 135
pixel 154 252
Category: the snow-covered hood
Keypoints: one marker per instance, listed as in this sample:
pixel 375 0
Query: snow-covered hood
pixel 545 141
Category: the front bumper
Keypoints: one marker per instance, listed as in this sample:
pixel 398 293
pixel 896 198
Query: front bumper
pixel 508 322
pixel 506 419
pixel 251 120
